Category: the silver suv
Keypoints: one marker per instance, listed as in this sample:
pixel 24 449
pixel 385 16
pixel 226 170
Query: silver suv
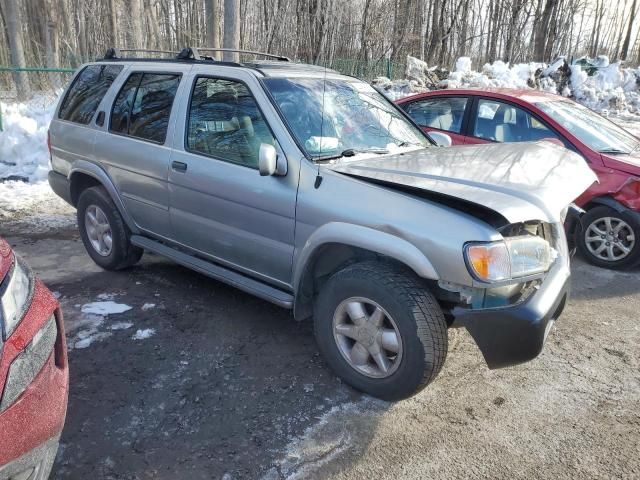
pixel 311 190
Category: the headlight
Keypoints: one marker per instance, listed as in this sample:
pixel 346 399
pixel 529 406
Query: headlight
pixel 514 257
pixel 29 362
pixel 14 297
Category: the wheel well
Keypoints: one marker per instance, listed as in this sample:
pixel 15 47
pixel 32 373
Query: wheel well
pixel 79 183
pixel 327 260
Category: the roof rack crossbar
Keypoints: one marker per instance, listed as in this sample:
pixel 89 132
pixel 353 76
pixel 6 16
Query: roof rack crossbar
pixel 117 52
pixel 195 51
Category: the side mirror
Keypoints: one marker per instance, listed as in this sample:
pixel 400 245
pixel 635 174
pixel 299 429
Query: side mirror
pixel 441 139
pixel 267 160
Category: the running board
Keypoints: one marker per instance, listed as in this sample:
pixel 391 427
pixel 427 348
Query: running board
pixel 242 282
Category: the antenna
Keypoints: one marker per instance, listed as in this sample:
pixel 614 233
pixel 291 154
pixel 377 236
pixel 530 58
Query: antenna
pixel 324 90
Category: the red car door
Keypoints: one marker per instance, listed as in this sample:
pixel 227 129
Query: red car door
pixel 444 114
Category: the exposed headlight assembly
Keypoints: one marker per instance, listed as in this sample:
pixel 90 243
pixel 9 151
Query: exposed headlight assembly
pixel 511 258
pixel 14 296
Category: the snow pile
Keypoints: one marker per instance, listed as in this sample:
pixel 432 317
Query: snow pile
pixel 600 85
pixel 23 143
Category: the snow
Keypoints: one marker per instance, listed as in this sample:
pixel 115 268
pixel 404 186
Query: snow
pixel 120 325
pixel 614 90
pixel 143 334
pixel 108 307
pixel 23 143
pixel 148 306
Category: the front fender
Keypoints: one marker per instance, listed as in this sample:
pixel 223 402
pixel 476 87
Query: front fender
pixel 365 238
pixel 93 170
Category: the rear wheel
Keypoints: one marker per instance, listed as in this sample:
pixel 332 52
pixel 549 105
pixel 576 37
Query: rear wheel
pixel 610 239
pixel 104 233
pixel 381 330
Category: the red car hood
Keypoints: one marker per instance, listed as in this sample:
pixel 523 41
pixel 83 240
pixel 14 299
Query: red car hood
pixel 626 163
pixel 6 258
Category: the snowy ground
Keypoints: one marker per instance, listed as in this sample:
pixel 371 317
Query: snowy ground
pixel 210 382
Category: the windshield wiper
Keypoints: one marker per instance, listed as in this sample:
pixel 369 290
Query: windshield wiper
pixel 614 151
pixel 352 152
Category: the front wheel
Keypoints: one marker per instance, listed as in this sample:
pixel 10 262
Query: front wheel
pixel 610 239
pixel 381 330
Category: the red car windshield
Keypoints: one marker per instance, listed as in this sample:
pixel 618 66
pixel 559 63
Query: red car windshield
pixel 593 130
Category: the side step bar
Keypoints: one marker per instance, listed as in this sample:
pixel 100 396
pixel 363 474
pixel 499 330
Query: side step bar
pixel 242 282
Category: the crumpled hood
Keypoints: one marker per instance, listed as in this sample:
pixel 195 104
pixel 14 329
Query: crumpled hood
pixel 520 181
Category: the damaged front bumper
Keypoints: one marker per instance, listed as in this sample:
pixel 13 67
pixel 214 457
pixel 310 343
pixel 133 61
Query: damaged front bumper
pixel 516 334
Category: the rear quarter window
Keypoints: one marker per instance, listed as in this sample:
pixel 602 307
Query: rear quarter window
pixel 86 92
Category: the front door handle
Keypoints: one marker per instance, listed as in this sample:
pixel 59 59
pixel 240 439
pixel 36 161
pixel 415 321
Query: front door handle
pixel 179 166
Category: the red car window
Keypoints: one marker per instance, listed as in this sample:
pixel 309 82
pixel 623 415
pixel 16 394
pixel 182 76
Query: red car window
pixel 503 122
pixel 445 113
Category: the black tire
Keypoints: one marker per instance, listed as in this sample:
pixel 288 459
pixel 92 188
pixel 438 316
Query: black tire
pixel 415 311
pixel 123 254
pixel 630 218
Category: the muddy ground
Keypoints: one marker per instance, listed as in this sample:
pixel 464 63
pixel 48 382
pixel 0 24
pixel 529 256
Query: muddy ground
pixel 212 383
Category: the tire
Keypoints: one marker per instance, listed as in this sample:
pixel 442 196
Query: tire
pixel 409 309
pixel 595 221
pixel 121 253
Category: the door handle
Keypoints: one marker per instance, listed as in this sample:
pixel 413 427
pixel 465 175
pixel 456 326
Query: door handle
pixel 179 166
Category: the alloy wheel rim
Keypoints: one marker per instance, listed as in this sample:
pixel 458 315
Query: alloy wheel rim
pixel 367 337
pixel 98 230
pixel 610 239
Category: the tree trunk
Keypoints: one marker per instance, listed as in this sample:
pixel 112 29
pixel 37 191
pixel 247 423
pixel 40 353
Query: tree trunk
pixel 135 30
pixel 627 38
pixel 113 23
pixel 213 19
pixel 231 29
pixel 16 49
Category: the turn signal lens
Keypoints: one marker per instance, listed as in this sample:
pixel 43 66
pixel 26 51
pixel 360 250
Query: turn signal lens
pixel 489 261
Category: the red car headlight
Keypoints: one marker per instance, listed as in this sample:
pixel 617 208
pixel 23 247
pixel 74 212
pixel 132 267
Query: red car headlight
pixel 29 362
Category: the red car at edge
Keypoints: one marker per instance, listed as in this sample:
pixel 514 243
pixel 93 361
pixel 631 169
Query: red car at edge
pixel 34 377
pixel 611 234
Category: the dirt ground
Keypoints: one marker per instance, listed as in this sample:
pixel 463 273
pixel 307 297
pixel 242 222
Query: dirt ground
pixel 199 380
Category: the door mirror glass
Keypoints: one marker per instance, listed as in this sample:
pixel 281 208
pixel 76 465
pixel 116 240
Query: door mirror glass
pixel 267 160
pixel 441 139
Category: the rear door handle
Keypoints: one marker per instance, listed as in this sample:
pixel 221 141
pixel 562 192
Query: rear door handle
pixel 179 166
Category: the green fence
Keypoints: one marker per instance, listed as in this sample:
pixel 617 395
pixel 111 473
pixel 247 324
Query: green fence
pixel 367 69
pixel 45 81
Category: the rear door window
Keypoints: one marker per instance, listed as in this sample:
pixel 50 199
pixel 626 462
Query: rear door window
pixel 143 106
pixel 86 92
pixel 504 122
pixel 444 113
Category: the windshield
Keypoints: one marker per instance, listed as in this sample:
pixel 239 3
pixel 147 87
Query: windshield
pixel 356 117
pixel 595 131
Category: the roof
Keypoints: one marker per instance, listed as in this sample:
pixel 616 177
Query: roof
pixel 525 94
pixel 268 68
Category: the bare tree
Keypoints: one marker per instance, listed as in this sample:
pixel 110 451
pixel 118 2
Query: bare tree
pixel 231 29
pixel 11 14
pixel 212 21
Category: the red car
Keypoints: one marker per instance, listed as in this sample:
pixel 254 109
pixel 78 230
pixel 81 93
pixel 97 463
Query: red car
pixel 34 377
pixel 611 234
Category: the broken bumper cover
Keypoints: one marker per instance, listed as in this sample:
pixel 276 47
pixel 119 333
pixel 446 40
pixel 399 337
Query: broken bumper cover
pixel 33 465
pixel 511 335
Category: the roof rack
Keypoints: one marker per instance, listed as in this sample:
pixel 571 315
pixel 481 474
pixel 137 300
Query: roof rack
pixel 194 53
pixel 113 53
